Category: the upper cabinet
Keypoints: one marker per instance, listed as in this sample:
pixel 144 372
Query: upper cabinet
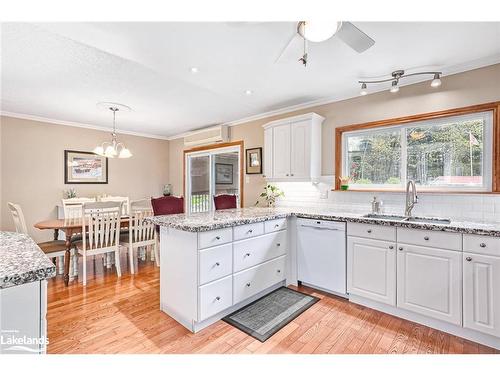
pixel 292 148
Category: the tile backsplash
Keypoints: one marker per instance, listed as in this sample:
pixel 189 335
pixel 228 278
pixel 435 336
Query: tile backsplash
pixel 477 207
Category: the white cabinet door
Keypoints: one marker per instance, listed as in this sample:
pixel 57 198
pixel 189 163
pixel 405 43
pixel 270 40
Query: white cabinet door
pixel 430 282
pixel 482 293
pixel 281 151
pixel 268 153
pixel 371 269
pixel 300 153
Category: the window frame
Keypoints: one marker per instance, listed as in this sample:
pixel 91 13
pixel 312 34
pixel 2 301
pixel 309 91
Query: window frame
pixel 492 163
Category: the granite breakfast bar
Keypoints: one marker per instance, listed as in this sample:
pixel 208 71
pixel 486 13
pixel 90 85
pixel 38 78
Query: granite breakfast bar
pixel 24 270
pixel 216 262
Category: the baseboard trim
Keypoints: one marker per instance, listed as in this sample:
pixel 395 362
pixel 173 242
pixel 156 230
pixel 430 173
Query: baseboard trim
pixel 466 333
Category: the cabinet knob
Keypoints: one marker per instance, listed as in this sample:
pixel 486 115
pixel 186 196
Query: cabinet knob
pixel 250 231
pixel 279 271
pixel 217 238
pixel 401 249
pixel 426 238
pixel 247 254
pixel 278 244
pixel 468 259
pixel 217 264
pixel 482 244
pixel 217 298
pixel 248 284
pixel 291 174
pixel 369 230
pixel 287 174
pixel 391 247
pixel 276 225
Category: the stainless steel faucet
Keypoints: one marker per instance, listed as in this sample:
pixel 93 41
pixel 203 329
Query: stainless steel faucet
pixel 411 197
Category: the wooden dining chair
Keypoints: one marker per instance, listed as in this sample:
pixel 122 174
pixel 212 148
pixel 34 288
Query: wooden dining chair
pixel 124 200
pixel 225 201
pixel 102 223
pixel 140 233
pixel 53 249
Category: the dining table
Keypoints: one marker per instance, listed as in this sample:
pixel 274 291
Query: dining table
pixel 70 227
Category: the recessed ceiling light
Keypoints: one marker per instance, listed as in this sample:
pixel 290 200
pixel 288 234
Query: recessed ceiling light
pixel 194 69
pixel 248 92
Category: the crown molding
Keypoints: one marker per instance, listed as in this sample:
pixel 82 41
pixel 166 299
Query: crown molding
pixel 52 121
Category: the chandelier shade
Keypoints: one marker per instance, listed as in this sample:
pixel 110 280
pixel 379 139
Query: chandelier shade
pixel 113 148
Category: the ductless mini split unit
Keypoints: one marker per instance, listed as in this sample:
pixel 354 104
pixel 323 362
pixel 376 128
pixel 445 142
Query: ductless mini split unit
pixel 214 134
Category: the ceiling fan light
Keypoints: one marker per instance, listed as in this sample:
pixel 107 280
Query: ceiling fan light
pixel 363 91
pixel 436 82
pixel 125 153
pixel 318 31
pixel 394 87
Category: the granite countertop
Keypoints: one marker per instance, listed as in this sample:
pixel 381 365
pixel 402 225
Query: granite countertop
pixel 201 222
pixel 22 261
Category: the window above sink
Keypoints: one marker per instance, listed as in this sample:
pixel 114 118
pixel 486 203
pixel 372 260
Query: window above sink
pixel 441 153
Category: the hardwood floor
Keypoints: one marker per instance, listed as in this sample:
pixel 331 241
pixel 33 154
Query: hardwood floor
pixel 121 315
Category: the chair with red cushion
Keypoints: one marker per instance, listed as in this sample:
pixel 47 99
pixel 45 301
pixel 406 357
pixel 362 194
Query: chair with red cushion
pixel 167 205
pixel 224 201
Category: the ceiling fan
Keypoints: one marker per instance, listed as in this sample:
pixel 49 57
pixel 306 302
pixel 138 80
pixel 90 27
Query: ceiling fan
pixel 320 31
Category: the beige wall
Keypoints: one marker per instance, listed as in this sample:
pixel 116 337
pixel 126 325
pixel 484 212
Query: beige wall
pixel 32 172
pixel 473 87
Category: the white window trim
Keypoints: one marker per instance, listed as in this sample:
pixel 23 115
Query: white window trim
pixel 487 154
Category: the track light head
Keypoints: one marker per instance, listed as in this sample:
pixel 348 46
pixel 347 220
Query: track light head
pixel 363 91
pixel 436 82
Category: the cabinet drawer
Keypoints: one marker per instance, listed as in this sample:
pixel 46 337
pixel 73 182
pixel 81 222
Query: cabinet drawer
pixel 215 263
pixel 482 244
pixel 254 280
pixel 374 231
pixel 275 225
pixel 430 238
pixel 215 297
pixel 249 230
pixel 249 253
pixel 215 237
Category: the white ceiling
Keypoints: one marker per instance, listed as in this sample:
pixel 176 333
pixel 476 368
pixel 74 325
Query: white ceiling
pixel 60 71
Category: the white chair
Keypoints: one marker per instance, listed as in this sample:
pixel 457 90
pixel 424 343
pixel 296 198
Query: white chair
pixel 140 234
pixel 53 249
pixel 103 232
pixel 124 200
pixel 72 207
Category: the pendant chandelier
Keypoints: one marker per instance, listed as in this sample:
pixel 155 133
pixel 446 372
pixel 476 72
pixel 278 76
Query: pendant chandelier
pixel 114 148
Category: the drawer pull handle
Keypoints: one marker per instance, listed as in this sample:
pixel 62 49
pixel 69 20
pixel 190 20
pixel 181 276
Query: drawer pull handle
pixel 217 238
pixel 369 230
pixel 400 249
pixel 217 264
pixel 482 244
pixel 248 284
pixel 247 254
pixel 426 238
pixel 250 231
pixel 217 298
pixel 391 247
pixel 468 259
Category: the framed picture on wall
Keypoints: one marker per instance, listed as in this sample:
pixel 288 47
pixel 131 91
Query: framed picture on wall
pixel 223 174
pixel 81 167
pixel 254 160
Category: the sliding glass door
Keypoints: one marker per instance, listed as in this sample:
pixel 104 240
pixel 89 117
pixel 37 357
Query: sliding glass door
pixel 210 173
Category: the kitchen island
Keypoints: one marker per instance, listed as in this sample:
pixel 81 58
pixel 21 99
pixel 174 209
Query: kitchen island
pixel 24 270
pixel 448 274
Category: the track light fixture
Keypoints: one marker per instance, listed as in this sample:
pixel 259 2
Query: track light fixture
pixel 396 76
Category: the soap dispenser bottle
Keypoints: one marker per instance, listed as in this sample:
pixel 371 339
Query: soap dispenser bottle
pixel 376 206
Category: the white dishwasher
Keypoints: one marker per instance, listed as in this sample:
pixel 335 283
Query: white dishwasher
pixel 321 254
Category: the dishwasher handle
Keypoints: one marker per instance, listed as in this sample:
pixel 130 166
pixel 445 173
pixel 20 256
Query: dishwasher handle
pixel 321 228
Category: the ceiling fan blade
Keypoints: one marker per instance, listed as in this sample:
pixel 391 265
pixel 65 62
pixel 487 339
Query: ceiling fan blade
pixel 293 42
pixel 354 37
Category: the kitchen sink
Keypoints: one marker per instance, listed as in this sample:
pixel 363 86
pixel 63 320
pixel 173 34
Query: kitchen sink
pixel 412 219
pixel 386 217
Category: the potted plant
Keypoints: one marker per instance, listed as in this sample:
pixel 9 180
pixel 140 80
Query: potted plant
pixel 344 182
pixel 270 193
